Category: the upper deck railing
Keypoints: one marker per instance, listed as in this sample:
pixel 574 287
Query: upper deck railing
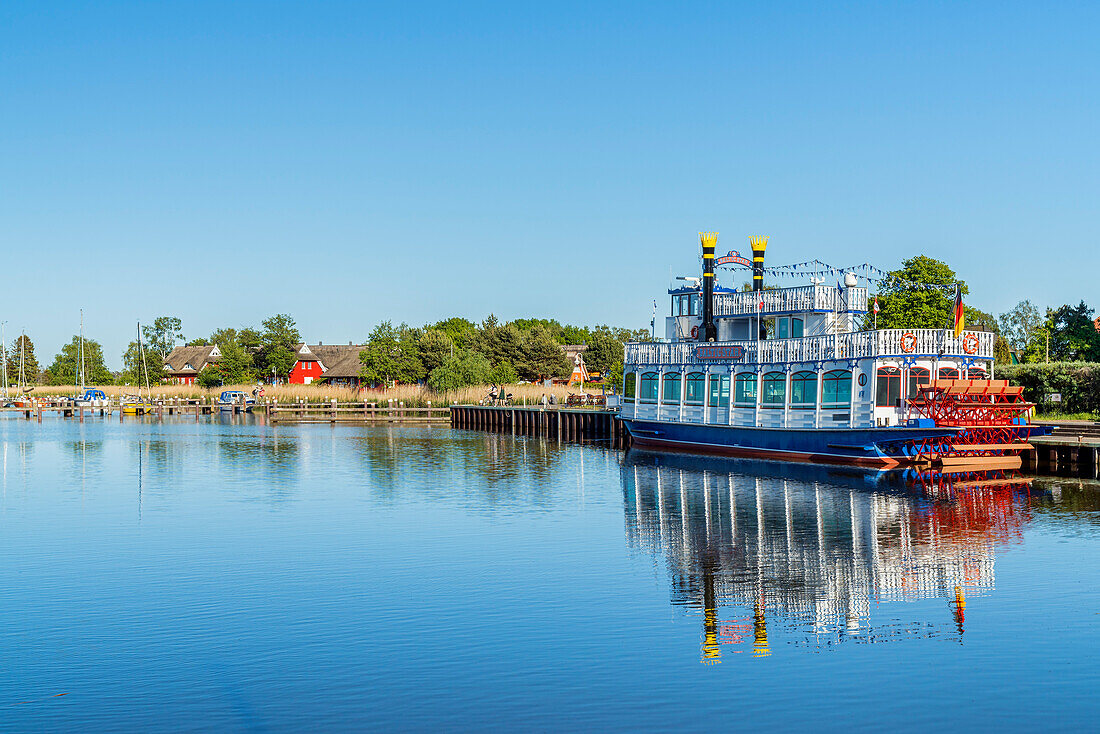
pixel 854 345
pixel 782 300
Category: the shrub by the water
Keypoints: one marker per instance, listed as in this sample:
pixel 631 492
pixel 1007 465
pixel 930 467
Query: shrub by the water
pixel 1077 382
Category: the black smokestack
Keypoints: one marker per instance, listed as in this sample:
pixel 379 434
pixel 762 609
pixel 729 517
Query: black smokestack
pixel 709 332
pixel 759 244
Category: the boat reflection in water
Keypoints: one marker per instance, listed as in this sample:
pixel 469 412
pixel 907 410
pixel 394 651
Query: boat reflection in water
pixel 809 553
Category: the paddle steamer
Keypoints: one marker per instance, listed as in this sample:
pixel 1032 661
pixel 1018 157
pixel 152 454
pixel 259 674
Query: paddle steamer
pixel 787 373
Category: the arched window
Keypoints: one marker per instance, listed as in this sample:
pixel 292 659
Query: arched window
pixel 977 373
pixel 888 387
pixel 836 388
pixel 629 380
pixel 719 391
pixel 948 373
pixel 918 376
pixel 803 390
pixel 670 393
pixel 746 388
pixel 694 387
pixel 775 389
pixel 647 392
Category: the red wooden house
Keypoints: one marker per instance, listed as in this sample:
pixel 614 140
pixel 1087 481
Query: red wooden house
pixel 315 360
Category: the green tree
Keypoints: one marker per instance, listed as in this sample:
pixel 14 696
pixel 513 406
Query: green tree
pixel 465 368
pixel 604 351
pixel 31 369
pixel 543 357
pixel 503 374
pixel 905 304
pixel 462 332
pixel 65 369
pixel 162 336
pixel 391 355
pixel 277 345
pixel 501 343
pixel 134 370
pixel 234 367
pixel 1073 334
pixel 1022 328
pixel 435 347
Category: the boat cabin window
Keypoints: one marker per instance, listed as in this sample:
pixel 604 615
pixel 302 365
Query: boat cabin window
pixel 775 389
pixel 977 373
pixel 719 391
pixel 918 376
pixel 647 392
pixel 629 385
pixel 693 389
pixel 836 388
pixel 803 390
pixel 888 387
pixel 746 388
pixel 686 304
pixel 948 373
pixel 671 391
pixel 784 327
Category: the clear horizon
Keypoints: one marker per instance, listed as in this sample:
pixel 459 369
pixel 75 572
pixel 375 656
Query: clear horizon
pixel 350 164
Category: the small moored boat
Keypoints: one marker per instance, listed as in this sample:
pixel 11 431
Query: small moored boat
pixel 235 401
pixel 135 405
pixel 90 398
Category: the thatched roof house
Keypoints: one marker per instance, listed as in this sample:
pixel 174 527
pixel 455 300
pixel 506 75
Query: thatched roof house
pixel 316 361
pixel 183 364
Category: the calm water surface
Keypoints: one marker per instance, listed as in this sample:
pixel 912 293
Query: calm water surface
pixel 235 576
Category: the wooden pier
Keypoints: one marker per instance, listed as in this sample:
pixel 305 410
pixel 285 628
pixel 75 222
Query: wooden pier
pixel 562 424
pixel 1074 447
pixel 364 412
pixel 300 412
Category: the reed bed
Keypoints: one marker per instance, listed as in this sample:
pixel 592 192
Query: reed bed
pixel 413 396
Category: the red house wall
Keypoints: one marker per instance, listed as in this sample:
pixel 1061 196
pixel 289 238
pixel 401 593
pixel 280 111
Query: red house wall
pixel 303 369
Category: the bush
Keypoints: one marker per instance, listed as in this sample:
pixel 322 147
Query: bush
pixel 1077 382
pixel 464 368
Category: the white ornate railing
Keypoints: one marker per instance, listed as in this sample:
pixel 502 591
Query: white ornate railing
pixel 855 345
pixel 802 298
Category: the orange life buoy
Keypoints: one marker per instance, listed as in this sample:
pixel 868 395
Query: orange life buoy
pixel 970 343
pixel 908 342
pixel 695 332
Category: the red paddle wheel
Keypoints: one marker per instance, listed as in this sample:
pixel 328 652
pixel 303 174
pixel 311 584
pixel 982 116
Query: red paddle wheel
pixel 992 416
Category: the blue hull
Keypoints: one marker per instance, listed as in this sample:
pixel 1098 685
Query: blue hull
pixel 861 446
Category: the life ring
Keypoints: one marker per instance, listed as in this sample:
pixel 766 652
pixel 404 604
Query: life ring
pixel 970 343
pixel 695 332
pixel 908 342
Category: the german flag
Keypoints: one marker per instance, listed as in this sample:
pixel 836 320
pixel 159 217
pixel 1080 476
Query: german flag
pixel 960 317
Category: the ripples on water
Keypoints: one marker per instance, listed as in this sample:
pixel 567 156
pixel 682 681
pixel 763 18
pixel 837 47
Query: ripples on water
pixel 235 576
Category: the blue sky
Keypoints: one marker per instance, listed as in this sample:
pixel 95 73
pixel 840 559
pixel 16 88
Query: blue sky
pixel 349 163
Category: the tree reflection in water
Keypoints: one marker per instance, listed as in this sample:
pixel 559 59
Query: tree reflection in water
pixel 807 551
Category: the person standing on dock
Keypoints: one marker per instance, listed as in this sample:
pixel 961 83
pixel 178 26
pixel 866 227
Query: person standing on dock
pixel 544 401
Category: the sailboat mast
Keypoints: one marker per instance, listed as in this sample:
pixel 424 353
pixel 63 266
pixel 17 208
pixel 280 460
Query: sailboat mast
pixel 22 362
pixel 144 367
pixel 4 351
pixel 82 349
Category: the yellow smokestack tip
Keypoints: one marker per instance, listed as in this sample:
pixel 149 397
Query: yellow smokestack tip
pixel 708 239
pixel 759 244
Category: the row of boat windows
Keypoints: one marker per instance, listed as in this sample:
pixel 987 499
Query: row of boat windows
pixel 836 389
pixel 889 381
